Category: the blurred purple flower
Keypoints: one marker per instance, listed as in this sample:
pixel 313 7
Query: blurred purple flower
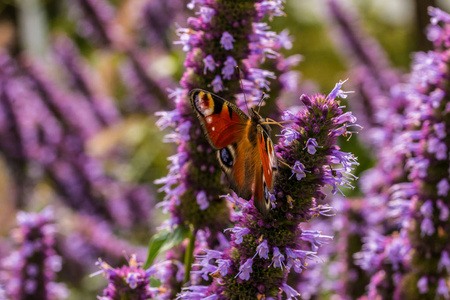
pixel 30 270
pixel 132 281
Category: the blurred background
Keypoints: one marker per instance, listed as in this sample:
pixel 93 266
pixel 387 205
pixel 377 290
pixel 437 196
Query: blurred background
pixel 80 83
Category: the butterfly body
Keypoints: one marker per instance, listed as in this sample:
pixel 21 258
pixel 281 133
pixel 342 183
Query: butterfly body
pixel 244 149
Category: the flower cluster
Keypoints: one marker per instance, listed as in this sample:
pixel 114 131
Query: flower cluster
pixel 265 249
pixel 127 282
pixel 426 213
pixel 29 271
pixel 407 250
pixel 52 133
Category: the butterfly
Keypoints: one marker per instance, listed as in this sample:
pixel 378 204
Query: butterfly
pixel 244 149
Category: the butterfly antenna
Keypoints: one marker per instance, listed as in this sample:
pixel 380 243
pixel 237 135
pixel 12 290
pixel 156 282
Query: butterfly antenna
pixel 242 88
pixel 260 101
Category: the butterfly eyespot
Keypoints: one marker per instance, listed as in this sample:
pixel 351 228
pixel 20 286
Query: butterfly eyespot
pixel 225 157
pixel 204 104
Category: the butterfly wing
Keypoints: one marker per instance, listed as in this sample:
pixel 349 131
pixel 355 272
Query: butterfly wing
pixel 226 127
pixel 266 172
pixel 223 122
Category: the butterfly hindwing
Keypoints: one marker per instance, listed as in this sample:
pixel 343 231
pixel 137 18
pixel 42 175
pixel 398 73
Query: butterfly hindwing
pixel 264 180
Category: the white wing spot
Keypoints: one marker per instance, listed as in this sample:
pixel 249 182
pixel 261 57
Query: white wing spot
pixel 213 128
pixel 209 120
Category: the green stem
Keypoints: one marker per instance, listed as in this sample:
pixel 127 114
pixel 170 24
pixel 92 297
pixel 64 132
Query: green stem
pixel 189 255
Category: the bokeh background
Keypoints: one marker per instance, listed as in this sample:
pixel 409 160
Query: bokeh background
pixel 80 83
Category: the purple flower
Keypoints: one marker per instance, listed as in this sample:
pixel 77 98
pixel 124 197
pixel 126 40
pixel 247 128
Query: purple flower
pixel 436 33
pixel 324 210
pixel 229 67
pixel 439 129
pixel 298 170
pixel 289 135
pixel 278 258
pixel 188 39
pixel 290 292
pixel 227 41
pixel 347 117
pixel 443 210
pixel 337 92
pixel 427 209
pixel 437 147
pixel 444 262
pixel 422 285
pixel 223 266
pixel 217 84
pixel 442 289
pixel 245 270
pixel 443 187
pixel 262 250
pixel 427 227
pixel 209 64
pixel 202 200
pixel 193 292
pixel 311 144
pixel 239 233
pixel 206 13
pixel 316 238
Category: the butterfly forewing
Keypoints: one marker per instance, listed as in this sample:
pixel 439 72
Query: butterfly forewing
pixel 223 122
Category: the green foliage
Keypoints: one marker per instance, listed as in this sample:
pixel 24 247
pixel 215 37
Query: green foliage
pixel 163 241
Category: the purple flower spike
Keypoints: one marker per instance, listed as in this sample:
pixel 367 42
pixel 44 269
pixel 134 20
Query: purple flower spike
pixel 279 248
pixel 415 164
pixel 128 281
pixel 29 272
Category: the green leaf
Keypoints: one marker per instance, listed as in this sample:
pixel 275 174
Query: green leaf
pixel 163 241
pixel 155 282
pixel 189 255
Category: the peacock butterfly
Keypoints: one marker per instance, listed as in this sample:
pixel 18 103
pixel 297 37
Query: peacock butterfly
pixel 244 149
